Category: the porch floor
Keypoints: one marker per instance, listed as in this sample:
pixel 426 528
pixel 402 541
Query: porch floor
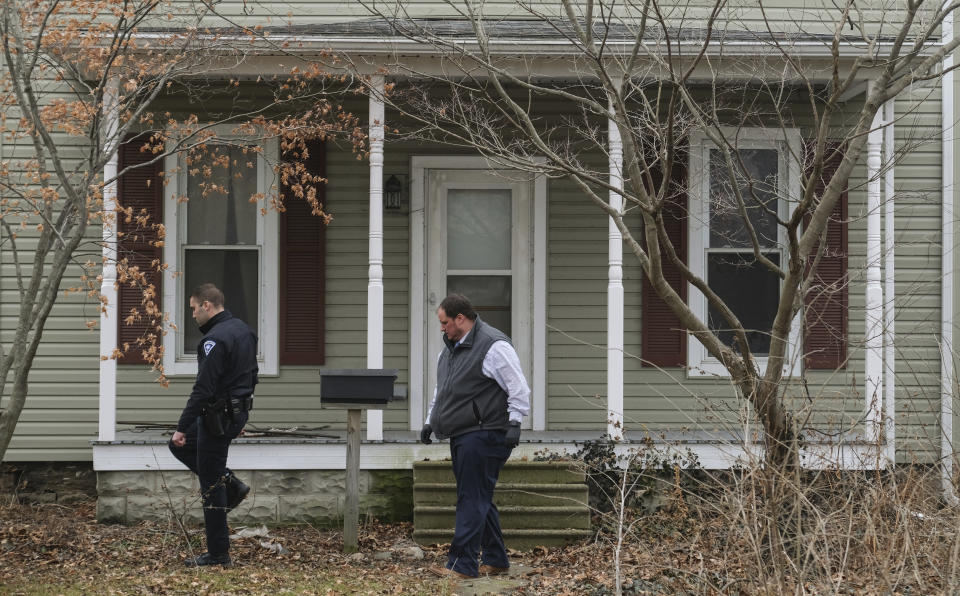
pixel 139 450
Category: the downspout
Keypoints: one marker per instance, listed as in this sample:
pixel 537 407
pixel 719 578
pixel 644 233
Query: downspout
pixel 873 373
pixel 946 270
pixel 889 289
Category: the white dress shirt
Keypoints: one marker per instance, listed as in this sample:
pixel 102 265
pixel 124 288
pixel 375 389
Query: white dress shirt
pixel 503 366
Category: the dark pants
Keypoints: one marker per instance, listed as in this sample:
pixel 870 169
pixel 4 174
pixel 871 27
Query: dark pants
pixel 477 459
pixel 206 456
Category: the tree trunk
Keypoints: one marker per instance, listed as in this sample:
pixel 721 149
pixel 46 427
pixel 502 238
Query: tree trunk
pixel 11 414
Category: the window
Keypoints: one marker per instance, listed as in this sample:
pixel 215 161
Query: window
pixel 479 260
pixel 219 235
pixel 721 250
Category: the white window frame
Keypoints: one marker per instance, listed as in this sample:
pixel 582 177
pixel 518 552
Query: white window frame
pixel 788 144
pixel 175 361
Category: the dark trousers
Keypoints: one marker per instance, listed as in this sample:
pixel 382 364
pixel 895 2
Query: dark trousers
pixel 477 459
pixel 206 456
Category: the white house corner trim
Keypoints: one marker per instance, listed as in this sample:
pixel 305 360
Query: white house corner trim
pixel 889 289
pixel 947 372
pixel 539 372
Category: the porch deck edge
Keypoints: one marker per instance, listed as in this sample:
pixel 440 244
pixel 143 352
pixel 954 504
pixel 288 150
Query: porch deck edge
pixel 400 451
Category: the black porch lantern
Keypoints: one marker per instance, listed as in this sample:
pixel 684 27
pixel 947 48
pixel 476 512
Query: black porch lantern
pixel 392 191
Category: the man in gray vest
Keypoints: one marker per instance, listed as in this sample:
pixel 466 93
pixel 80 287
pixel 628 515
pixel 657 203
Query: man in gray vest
pixel 479 401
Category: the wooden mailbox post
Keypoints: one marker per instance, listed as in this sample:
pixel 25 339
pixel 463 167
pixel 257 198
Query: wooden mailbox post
pixel 355 390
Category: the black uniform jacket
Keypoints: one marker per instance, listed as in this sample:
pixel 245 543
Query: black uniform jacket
pixel 226 365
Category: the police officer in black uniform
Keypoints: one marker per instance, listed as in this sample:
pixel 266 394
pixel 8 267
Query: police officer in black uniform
pixel 216 412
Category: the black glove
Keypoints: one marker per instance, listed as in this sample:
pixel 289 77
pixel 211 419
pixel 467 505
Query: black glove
pixel 425 433
pixel 513 435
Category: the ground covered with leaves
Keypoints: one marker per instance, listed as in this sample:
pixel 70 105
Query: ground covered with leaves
pixel 57 549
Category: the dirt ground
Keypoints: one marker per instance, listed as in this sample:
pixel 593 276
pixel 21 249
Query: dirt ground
pixel 61 549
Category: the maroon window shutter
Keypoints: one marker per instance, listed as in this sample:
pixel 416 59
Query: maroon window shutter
pixel 826 306
pixel 141 191
pixel 302 270
pixel 664 339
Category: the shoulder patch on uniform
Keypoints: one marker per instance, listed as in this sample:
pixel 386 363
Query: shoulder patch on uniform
pixel 207 346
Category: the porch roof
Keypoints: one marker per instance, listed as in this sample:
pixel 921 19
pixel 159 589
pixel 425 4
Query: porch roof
pixel 530 36
pixel 537 29
pixel 525 29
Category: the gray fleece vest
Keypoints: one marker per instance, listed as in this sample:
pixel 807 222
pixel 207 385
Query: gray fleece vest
pixel 467 400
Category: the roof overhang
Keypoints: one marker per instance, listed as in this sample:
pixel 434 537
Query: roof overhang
pixel 435 47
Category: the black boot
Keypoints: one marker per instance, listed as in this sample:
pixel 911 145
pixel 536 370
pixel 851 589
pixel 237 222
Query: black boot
pixel 237 491
pixel 206 559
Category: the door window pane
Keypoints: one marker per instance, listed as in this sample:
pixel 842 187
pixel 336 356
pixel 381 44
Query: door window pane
pixel 757 184
pixel 219 188
pixel 751 291
pixel 479 228
pixel 235 272
pixel 489 294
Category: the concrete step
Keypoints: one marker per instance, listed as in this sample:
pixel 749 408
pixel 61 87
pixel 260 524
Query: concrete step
pixel 517 539
pixel 507 494
pixel 514 471
pixel 445 516
pixel 540 503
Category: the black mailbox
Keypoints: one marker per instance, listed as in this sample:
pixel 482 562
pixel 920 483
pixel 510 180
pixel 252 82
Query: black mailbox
pixel 357 387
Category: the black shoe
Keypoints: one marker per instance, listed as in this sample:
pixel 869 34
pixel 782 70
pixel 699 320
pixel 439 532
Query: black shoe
pixel 237 491
pixel 206 559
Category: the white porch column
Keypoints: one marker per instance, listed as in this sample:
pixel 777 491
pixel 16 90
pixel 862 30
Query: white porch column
pixel 615 306
pixel 107 413
pixel 889 289
pixel 873 374
pixel 375 273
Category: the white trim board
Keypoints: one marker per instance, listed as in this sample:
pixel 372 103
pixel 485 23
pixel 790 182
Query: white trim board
pixel 253 454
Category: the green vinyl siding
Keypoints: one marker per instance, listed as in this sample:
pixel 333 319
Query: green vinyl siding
pixel 576 310
pixel 60 414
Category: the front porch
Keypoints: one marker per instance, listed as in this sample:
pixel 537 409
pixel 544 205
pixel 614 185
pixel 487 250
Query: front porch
pixel 302 480
pixel 553 254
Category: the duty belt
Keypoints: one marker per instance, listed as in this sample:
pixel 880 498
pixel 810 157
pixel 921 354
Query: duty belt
pixel 241 404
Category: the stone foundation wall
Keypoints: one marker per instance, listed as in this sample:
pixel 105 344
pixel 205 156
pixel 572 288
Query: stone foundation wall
pixel 48 482
pixel 276 496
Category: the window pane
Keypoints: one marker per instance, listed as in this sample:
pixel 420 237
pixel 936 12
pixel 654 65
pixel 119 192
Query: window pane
pixel 478 228
pixel 751 291
pixel 219 188
pixel 233 271
pixel 489 294
pixel 758 188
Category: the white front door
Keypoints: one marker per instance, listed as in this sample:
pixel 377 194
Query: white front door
pixel 479 243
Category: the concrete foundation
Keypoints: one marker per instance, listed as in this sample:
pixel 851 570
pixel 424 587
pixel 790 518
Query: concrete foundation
pixel 276 496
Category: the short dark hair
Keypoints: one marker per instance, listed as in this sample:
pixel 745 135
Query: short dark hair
pixel 208 293
pixel 458 304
